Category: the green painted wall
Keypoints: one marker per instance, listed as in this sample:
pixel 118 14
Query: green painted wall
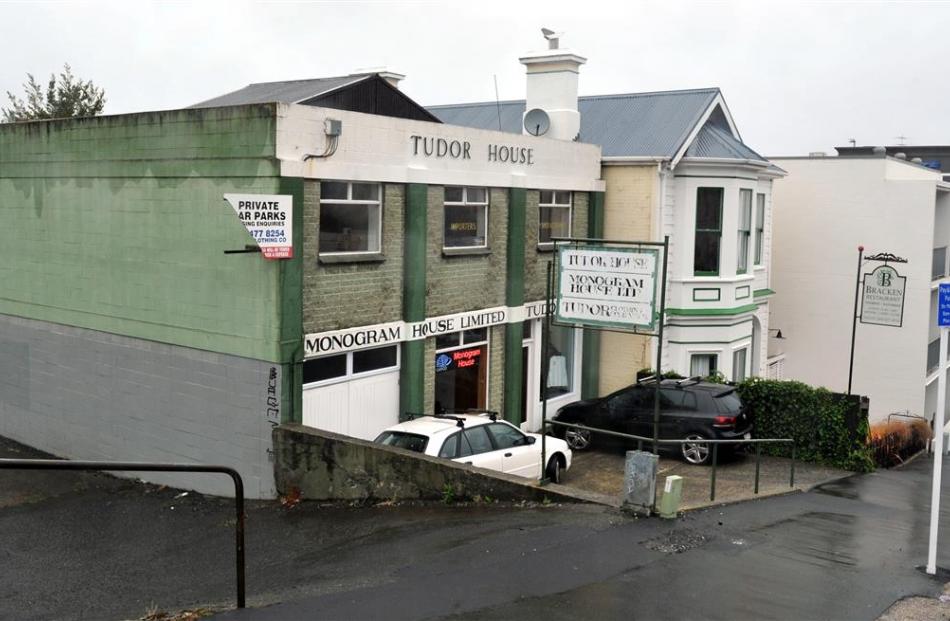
pixel 120 226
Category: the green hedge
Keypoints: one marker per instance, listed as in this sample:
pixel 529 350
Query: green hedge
pixel 828 427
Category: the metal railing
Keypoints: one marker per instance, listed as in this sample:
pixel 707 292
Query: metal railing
pixel 110 466
pixel 938 267
pixel 715 452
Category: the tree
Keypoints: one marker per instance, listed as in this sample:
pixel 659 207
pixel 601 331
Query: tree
pixel 65 96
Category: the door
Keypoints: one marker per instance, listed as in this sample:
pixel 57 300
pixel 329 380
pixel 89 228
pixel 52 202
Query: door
pixel 361 408
pixel 518 456
pixel 483 454
pixel 626 412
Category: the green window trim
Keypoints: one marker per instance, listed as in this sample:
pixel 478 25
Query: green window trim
pixel 743 292
pixel 762 292
pixel 744 231
pixel 711 311
pixel 759 228
pixel 708 233
pixel 710 299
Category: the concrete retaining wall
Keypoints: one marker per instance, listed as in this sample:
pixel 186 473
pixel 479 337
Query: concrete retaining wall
pixel 329 466
pixel 84 394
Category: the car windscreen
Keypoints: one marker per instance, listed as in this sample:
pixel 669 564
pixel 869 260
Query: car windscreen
pixel 410 441
pixel 728 402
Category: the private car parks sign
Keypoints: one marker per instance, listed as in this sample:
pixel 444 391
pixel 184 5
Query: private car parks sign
pixel 609 287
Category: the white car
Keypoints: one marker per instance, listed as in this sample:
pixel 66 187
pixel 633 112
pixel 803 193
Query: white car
pixel 483 441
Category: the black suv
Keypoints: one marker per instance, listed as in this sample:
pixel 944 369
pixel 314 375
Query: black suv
pixel 689 410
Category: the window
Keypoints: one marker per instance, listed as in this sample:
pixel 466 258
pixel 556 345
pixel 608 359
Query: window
pixel 708 231
pixel 456 445
pixel 703 365
pixel 506 436
pixel 759 226
pixel 466 218
pixel 478 439
pixel 745 229
pixel 461 371
pixel 672 399
pixel 401 439
pixel 554 208
pixel 738 364
pixel 560 363
pixel 350 217
pixel 344 366
pixel 457 339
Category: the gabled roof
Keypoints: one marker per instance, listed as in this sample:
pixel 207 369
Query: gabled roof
pixel 715 142
pixel 660 124
pixel 367 92
pixel 293 91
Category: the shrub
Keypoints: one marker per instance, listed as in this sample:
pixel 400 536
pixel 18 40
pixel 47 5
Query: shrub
pixel 828 428
pixel 892 443
pixel 648 372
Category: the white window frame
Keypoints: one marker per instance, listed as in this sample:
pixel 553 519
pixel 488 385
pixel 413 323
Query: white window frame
pixel 717 354
pixel 745 362
pixel 744 234
pixel 556 205
pixel 349 374
pixel 466 203
pixel 758 244
pixel 349 200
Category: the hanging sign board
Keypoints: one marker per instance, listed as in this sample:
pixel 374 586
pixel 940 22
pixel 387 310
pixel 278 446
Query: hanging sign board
pixel 883 300
pixel 269 220
pixel 943 306
pixel 608 287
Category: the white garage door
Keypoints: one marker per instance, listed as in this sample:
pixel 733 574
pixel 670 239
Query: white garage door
pixel 356 394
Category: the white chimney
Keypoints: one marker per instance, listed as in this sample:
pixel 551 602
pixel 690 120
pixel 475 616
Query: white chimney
pixel 552 87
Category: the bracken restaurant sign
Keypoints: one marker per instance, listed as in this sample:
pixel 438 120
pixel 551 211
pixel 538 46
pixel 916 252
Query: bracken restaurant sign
pixel 883 300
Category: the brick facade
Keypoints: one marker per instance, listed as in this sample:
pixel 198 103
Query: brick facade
pixel 344 295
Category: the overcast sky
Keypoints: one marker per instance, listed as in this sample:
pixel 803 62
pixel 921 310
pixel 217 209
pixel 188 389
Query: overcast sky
pixel 797 76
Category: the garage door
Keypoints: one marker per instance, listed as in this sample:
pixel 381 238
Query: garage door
pixel 356 394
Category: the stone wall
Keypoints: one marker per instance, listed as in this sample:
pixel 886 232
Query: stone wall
pixel 328 466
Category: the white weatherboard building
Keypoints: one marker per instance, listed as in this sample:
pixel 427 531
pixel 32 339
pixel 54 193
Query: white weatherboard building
pixel 825 209
pixel 674 165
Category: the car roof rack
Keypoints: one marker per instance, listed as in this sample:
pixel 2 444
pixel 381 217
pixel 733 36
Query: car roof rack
pixel 492 414
pixel 690 381
pixel 459 421
pixel 649 379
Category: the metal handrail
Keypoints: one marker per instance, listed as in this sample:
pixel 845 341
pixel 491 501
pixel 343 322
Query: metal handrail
pixel 715 452
pixel 112 466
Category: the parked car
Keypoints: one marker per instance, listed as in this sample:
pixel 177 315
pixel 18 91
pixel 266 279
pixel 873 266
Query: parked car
pixel 689 410
pixel 480 440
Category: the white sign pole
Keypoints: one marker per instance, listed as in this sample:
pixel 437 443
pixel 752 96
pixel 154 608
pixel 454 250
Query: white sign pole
pixel 938 454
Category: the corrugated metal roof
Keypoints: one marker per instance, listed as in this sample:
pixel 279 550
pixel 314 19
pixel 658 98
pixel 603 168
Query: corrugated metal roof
pixel 715 142
pixel 653 124
pixel 284 92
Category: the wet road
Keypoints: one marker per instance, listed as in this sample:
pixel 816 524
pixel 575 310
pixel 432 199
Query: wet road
pixel 845 551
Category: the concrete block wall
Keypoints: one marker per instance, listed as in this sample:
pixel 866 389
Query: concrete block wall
pixel 535 260
pixel 85 394
pixel 344 295
pixel 461 283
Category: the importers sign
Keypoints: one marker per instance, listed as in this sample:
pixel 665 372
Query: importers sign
pixel 883 300
pixel 607 287
pixel 269 220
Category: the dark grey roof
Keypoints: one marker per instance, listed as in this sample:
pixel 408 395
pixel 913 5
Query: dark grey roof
pixel 712 141
pixel 654 124
pixel 284 92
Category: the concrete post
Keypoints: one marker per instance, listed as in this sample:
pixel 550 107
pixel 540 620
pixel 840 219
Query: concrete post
pixel 639 482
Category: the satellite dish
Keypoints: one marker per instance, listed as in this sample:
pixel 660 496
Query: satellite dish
pixel 537 122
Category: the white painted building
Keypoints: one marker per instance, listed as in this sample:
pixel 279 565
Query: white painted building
pixel 823 210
